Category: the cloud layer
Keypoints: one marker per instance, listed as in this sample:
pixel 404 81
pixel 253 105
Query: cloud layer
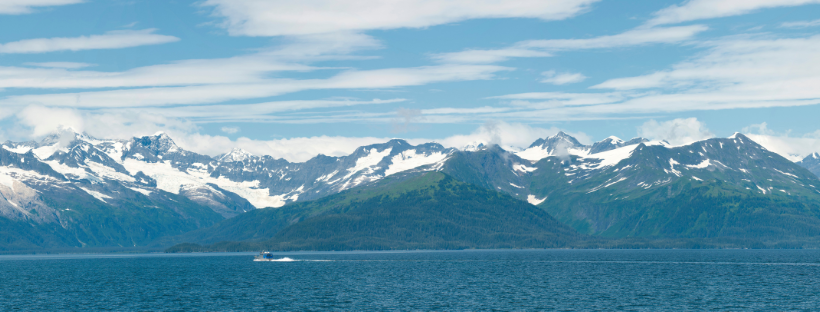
pixel 287 18
pixel 111 40
pixel 705 9
pixel 27 6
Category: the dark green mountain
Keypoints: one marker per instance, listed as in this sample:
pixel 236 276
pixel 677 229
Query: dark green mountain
pixel 714 188
pixel 417 211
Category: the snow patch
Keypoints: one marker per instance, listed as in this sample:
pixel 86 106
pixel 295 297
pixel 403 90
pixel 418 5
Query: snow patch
pixel 701 165
pixel 327 177
pixel 142 191
pixel 368 161
pixel 46 151
pixel 534 200
pixel 170 179
pixel 18 150
pixel 109 173
pixel 409 159
pixel 613 157
pixel 606 185
pixel 786 173
pixel 523 168
pixel 672 164
pixel 100 196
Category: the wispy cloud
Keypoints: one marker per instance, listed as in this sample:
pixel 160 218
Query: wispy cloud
pixel 244 69
pixel 555 78
pixel 230 130
pixel 26 6
pixel 259 112
pixel 111 40
pixel 676 131
pixel 545 48
pixel 203 94
pixel 282 18
pixel 733 73
pixel 705 9
pixel 801 24
pixel 65 65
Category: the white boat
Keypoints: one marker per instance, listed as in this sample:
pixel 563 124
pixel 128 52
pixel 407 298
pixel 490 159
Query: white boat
pixel 264 256
pixel 267 256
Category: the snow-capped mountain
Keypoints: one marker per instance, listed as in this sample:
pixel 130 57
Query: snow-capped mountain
pixel 138 189
pixel 155 163
pixel 237 154
pixel 812 162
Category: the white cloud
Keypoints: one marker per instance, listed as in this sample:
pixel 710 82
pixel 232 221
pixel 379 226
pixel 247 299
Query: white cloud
pixel 230 130
pixel 511 136
pixel 244 69
pixel 792 148
pixel 801 24
pixel 282 18
pixel 815 135
pixel 34 122
pixel 241 69
pixel 111 40
pixel 677 131
pixel 259 112
pixel 199 94
pixel 544 48
pixel 733 73
pixel 561 99
pixel 488 56
pixel 705 9
pixel 761 128
pixel 66 65
pixel 43 120
pixel 26 6
pixel 561 78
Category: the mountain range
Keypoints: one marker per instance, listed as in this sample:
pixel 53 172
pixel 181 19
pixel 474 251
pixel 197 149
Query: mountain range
pixel 71 190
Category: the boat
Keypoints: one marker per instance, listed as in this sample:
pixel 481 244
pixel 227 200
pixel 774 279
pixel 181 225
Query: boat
pixel 264 256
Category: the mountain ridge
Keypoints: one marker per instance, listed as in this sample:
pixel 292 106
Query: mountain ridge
pixel 159 173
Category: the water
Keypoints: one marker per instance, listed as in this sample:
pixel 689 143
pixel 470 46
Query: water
pixel 450 280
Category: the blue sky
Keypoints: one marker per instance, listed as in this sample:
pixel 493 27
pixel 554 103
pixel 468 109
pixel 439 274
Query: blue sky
pixel 296 79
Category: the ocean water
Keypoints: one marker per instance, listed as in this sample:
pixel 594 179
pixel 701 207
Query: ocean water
pixel 639 280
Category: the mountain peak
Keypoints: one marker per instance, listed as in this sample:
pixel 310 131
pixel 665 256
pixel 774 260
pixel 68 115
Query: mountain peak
pixel 736 135
pixel 551 141
pixel 561 134
pixel 236 154
pixel 397 142
pixel 159 142
pixel 614 140
pixel 473 146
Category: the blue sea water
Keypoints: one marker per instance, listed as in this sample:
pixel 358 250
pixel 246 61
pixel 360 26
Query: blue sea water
pixel 649 280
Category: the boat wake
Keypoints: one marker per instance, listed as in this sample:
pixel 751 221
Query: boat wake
pixel 287 259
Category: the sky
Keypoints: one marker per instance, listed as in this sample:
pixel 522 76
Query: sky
pixel 294 79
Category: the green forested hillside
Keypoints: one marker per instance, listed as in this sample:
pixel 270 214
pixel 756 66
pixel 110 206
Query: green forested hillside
pixel 655 194
pixel 691 210
pixel 136 221
pixel 427 211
